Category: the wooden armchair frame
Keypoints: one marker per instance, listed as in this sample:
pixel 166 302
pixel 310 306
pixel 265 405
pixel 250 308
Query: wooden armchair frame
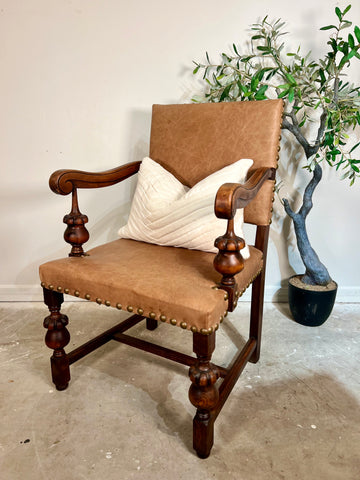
pixel 205 393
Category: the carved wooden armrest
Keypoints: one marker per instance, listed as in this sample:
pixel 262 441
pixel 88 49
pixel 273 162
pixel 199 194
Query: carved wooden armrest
pixel 231 196
pixel 64 182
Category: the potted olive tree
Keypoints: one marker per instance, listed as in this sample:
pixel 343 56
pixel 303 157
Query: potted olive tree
pixel 317 95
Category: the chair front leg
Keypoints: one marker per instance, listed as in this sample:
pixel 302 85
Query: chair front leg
pixel 203 393
pixel 57 337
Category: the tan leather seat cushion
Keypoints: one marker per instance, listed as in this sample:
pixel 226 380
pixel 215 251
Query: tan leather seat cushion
pixel 175 284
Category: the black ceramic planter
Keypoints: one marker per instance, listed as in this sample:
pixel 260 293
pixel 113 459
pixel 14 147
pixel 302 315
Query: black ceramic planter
pixel 309 307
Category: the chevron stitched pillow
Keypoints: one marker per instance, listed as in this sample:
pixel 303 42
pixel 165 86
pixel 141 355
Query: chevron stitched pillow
pixel 166 212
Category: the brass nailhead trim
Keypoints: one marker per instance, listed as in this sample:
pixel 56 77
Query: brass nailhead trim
pixel 225 314
pixel 206 331
pixel 221 319
pixel 163 318
pixel 77 293
pixel 140 311
pixel 173 321
pixel 152 315
pixel 194 329
pixel 216 326
pixel 98 300
pixel 129 308
pixel 59 289
pixel 43 284
pixel 87 296
pixel 66 290
pixel 183 325
pixel 107 303
pixel 51 287
pixel 226 296
pixel 119 306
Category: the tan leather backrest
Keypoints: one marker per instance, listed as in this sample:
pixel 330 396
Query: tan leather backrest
pixel 194 140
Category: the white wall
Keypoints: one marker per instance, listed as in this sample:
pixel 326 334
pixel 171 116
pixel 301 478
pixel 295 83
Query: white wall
pixel 77 84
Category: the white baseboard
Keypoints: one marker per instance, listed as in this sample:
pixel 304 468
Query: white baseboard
pixel 275 294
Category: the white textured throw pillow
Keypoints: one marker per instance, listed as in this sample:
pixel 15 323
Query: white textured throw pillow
pixel 166 212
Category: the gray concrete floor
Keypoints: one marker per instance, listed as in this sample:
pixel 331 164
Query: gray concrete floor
pixel 294 415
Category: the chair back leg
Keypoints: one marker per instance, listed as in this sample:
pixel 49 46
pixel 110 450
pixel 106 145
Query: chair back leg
pixel 257 293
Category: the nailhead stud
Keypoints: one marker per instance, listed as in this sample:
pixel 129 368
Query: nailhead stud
pixel 163 318
pixel 43 284
pixel 226 296
pixel 173 321
pixel 140 311
pixel 76 293
pixel 66 290
pixel 221 319
pixel 107 303
pixel 183 325
pixel 194 329
pixel 204 331
pixel 59 289
pixel 99 301
pixel 129 308
pixel 119 306
pixel 51 287
pixel 87 296
pixel 152 315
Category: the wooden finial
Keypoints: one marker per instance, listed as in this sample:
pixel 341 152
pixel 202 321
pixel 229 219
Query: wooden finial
pixel 76 233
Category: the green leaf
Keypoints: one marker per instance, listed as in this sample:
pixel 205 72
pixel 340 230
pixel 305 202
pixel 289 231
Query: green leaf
pixel 283 94
pixel 263 49
pixel 328 27
pixel 357 33
pixel 345 24
pixel 263 89
pixel 225 93
pixel 338 13
pixel 235 50
pixel 291 95
pixel 322 76
pixel 346 9
pixel 351 41
pixel 196 69
pixel 354 147
pixel 291 79
pixel 254 83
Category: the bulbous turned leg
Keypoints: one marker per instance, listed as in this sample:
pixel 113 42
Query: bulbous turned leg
pixel 56 338
pixel 203 394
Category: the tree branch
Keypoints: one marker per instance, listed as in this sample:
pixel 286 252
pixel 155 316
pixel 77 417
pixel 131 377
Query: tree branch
pixel 297 134
pixel 309 190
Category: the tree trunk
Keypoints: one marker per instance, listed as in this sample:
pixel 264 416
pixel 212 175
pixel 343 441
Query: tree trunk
pixel 315 272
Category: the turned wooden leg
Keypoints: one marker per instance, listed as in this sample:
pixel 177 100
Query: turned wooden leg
pixel 56 338
pixel 256 315
pixel 151 324
pixel 203 393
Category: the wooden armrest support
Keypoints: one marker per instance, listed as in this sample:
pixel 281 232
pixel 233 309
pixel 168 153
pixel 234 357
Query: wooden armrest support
pixel 63 182
pixel 232 196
